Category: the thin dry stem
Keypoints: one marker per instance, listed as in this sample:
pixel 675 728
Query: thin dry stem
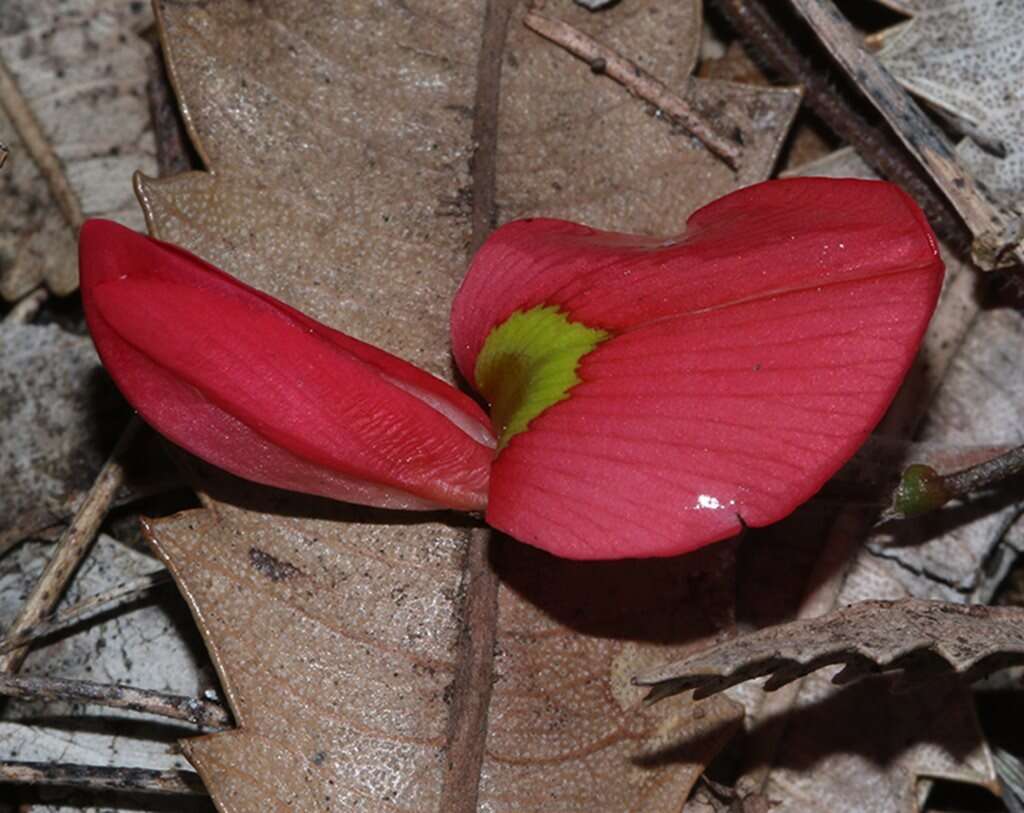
pixel 27 307
pixel 74 543
pixel 87 608
pixel 963 482
pixel 474 663
pixel 38 146
pixel 636 80
pixel 96 778
pixel 474 678
pixel 4 153
pixel 922 489
pixel 995 231
pixel 202 713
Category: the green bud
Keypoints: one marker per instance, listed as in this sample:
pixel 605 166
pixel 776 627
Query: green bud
pixel 921 490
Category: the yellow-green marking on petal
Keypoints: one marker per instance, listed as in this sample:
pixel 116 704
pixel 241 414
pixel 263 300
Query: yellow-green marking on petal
pixel 528 363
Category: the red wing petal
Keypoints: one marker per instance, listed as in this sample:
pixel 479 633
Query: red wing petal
pixel 772 237
pixel 253 386
pixel 748 361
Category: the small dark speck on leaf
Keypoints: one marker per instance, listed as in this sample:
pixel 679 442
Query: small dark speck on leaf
pixel 274 569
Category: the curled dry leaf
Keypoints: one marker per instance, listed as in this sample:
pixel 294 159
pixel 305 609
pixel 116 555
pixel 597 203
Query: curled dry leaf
pixel 81 68
pixel 342 635
pixel 870 749
pixel 867 637
pixel 965 57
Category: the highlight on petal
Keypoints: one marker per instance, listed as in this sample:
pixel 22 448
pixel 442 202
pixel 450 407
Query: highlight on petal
pixel 265 392
pixel 741 363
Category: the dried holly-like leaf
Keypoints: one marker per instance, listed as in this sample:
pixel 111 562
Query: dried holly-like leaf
pixel 868 637
pixel 577 146
pixel 341 634
pixel 82 68
pixel 571 636
pixel 966 57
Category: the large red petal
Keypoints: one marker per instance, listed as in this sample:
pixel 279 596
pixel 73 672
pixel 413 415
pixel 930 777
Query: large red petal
pixel 748 361
pixel 261 390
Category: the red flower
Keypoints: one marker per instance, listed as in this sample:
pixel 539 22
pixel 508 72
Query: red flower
pixel 649 396
pixel 716 379
pixel 255 387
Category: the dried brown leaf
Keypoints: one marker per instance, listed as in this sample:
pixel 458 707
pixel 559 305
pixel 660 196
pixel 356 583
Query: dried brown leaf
pixel 339 146
pixel 335 643
pixel 575 145
pixel 570 637
pixel 868 637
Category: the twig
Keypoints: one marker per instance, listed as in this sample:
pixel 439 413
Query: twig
pixel 636 80
pixel 4 153
pixel 202 713
pixel 882 151
pixel 70 549
pixel 474 676
pixel 484 164
pixel 963 482
pixel 27 307
pixel 473 680
pixel 922 489
pixel 38 146
pixel 996 233
pixel 87 608
pixel 99 778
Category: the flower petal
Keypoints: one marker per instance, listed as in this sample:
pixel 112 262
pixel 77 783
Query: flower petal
pixel 747 360
pixel 255 387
